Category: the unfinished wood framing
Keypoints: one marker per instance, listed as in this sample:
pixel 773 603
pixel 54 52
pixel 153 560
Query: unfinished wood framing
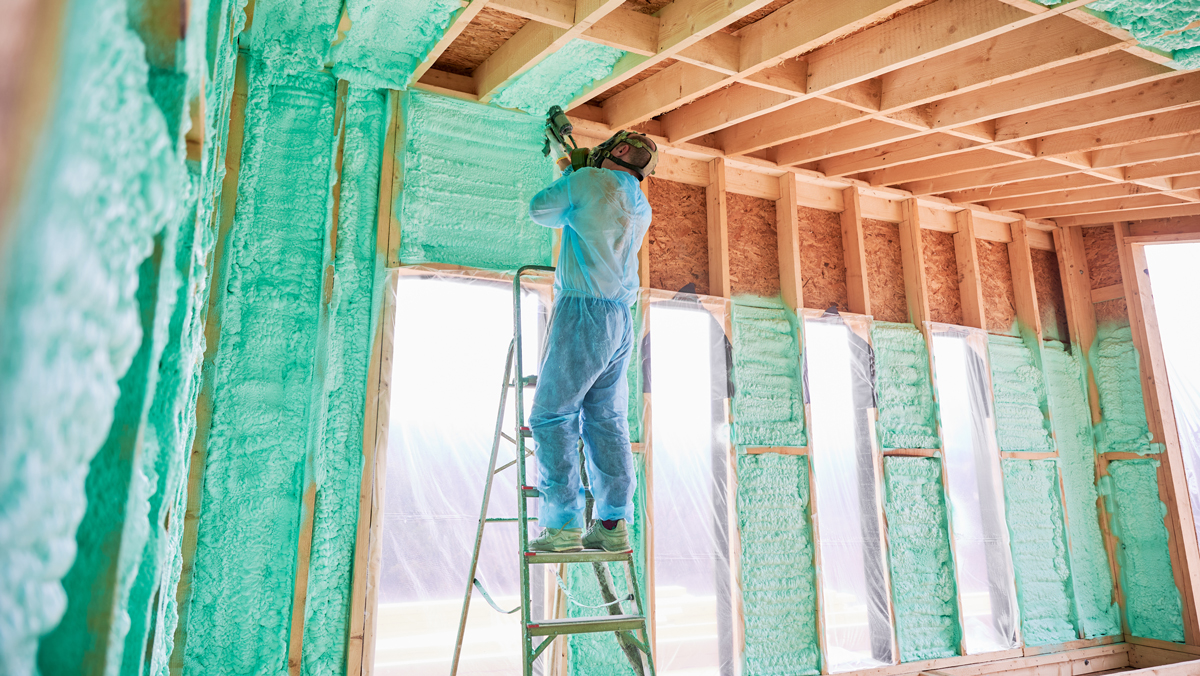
pixel 854 250
pixel 718 231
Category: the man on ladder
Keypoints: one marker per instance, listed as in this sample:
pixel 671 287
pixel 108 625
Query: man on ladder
pixel 603 216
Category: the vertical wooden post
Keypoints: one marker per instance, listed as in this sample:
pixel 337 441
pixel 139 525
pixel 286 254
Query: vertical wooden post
pixel 718 231
pixel 970 288
pixel 916 289
pixel 644 251
pixel 855 253
pixel 1160 416
pixel 1021 263
pixel 787 227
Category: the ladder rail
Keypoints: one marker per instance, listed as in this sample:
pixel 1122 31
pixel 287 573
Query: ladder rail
pixel 487 497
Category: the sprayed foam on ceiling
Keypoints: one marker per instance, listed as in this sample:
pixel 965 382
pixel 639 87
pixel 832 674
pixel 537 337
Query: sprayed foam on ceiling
pixel 1168 25
pixel 560 77
pixel 388 40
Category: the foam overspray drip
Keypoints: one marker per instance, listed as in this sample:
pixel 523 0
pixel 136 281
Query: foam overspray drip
pixel 1152 605
pixel 469 172
pixel 98 191
pixel 244 570
pixel 1123 427
pixel 904 392
pixel 388 40
pixel 779 594
pixel 768 409
pixel 923 586
pixel 557 79
pixel 1018 389
pixel 1033 509
pixel 1092 579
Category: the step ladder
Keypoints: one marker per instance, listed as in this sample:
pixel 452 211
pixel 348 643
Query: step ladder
pixel 629 625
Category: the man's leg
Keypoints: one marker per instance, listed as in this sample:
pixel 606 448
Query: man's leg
pixel 606 429
pixel 568 370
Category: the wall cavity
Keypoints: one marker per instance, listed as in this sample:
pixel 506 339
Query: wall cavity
pixel 1152 605
pixel 779 594
pixel 1019 392
pixel 903 389
pixel 469 172
pixel 244 569
pixel 1091 580
pixel 388 40
pixel 104 181
pixel 923 587
pixel 353 308
pixel 1123 427
pixel 1033 509
pixel 768 409
pixel 559 78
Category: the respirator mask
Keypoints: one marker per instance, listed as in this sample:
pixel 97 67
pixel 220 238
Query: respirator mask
pixel 559 141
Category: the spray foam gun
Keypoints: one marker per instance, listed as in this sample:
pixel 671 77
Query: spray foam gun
pixel 560 141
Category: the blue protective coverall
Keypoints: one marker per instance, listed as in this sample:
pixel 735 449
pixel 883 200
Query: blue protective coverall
pixel 603 215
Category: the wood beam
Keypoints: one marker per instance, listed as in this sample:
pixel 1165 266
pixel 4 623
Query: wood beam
pixel 1143 214
pixel 1027 187
pixel 809 117
pixel 787 228
pixel 860 136
pixel 1148 151
pixel 1025 293
pixel 854 250
pixel 1098 206
pixel 1174 167
pixel 944 164
pixel 919 148
pixel 644 249
pixel 970 286
pixel 458 23
pixel 912 256
pixel 1069 196
pixel 1161 125
pixel 735 102
pixel 534 42
pixel 679 82
pixel 718 231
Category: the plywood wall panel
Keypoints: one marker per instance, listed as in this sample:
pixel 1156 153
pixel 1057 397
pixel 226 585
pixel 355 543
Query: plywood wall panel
pixel 999 297
pixel 885 271
pixel 1052 304
pixel 821 259
pixel 941 276
pixel 678 236
pixel 753 246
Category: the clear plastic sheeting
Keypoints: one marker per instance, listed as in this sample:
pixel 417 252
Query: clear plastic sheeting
pixel 982 559
pixel 685 377
pixel 856 617
pixel 452 333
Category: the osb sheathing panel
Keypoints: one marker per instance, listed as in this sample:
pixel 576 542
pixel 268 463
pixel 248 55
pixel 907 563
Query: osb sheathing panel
pixel 629 82
pixel 1115 310
pixel 941 277
pixel 1100 248
pixel 1052 304
pixel 822 263
pixel 885 270
pixel 678 236
pixel 646 6
pixel 753 246
pixel 479 40
pixel 999 299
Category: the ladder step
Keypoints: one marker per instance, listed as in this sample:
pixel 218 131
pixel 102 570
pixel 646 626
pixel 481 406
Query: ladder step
pixel 584 556
pixel 587 625
pixel 526 432
pixel 530 492
pixel 508 519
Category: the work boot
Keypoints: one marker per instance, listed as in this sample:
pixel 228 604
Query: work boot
pixel 614 540
pixel 557 540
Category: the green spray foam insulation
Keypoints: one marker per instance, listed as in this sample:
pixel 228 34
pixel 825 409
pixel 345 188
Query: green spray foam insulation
pixel 1033 509
pixel 904 391
pixel 1092 578
pixel 103 182
pixel 768 409
pixel 469 172
pixel 1122 427
pixel 1152 605
pixel 779 592
pixel 1019 391
pixel 922 569
pixel 600 652
pixel 263 374
pixel 294 35
pixel 353 304
pixel 388 40
pixel 1163 24
pixel 559 78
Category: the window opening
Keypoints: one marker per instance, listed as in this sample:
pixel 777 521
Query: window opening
pixel 856 614
pixel 982 559
pixel 1174 279
pixel 451 338
pixel 690 468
